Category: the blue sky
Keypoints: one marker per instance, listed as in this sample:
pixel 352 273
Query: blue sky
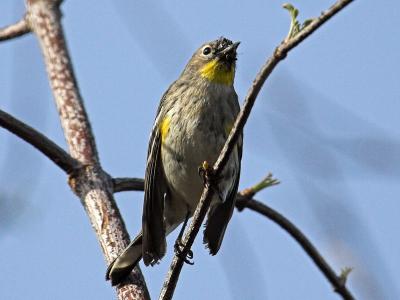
pixel 326 124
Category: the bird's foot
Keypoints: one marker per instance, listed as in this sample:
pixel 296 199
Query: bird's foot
pixel 206 172
pixel 178 248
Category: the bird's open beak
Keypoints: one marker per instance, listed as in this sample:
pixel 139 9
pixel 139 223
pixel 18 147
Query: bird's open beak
pixel 228 55
pixel 230 49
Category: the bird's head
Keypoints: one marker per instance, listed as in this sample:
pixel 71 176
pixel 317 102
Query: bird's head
pixel 215 61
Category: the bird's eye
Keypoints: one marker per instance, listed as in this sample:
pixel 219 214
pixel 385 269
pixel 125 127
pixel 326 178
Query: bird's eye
pixel 207 50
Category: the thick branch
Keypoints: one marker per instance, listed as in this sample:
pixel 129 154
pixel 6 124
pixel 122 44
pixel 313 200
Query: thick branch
pixel 40 142
pixel 90 183
pixel 279 54
pixel 338 284
pixel 44 18
pixel 15 30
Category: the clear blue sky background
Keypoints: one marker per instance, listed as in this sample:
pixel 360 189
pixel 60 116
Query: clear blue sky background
pixel 326 124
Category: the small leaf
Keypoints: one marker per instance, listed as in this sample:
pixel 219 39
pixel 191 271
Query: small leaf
pixel 266 182
pixel 294 24
pixel 344 273
pixel 292 10
pixel 295 27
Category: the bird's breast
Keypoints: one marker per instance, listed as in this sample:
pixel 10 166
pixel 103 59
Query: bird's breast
pixel 191 135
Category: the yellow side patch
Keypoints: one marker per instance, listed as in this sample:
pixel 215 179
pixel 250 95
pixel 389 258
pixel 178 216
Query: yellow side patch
pixel 228 127
pixel 218 73
pixel 164 128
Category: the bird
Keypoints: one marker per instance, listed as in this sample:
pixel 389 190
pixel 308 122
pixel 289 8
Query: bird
pixel 192 124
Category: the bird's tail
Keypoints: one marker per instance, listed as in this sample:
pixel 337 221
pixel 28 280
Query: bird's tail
pixel 122 266
pixel 218 219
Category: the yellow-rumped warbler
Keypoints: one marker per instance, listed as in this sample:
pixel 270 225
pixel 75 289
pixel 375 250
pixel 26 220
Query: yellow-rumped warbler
pixel 193 121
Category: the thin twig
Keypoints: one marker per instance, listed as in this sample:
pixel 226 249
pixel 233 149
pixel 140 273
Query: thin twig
pixel 201 210
pixel 338 284
pixel 55 153
pixel 90 183
pixel 15 30
pixel 127 184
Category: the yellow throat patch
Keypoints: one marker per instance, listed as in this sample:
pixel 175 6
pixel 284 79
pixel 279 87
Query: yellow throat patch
pixel 217 73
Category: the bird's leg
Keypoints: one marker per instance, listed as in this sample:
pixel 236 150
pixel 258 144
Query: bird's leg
pixel 206 172
pixel 178 247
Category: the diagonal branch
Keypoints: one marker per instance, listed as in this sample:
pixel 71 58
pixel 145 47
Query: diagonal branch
pixel 55 153
pixel 15 30
pixel 201 210
pixel 257 206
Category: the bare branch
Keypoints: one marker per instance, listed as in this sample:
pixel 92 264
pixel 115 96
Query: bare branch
pixel 15 30
pixel 337 283
pixel 90 183
pixel 201 210
pixel 55 153
pixel 44 18
pixel 127 184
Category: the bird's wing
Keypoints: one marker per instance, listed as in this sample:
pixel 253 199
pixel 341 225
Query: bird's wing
pixel 221 212
pixel 155 192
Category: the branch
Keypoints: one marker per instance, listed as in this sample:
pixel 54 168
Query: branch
pixel 90 183
pixel 15 30
pixel 39 141
pixel 244 200
pixel 128 184
pixel 308 247
pixel 201 210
